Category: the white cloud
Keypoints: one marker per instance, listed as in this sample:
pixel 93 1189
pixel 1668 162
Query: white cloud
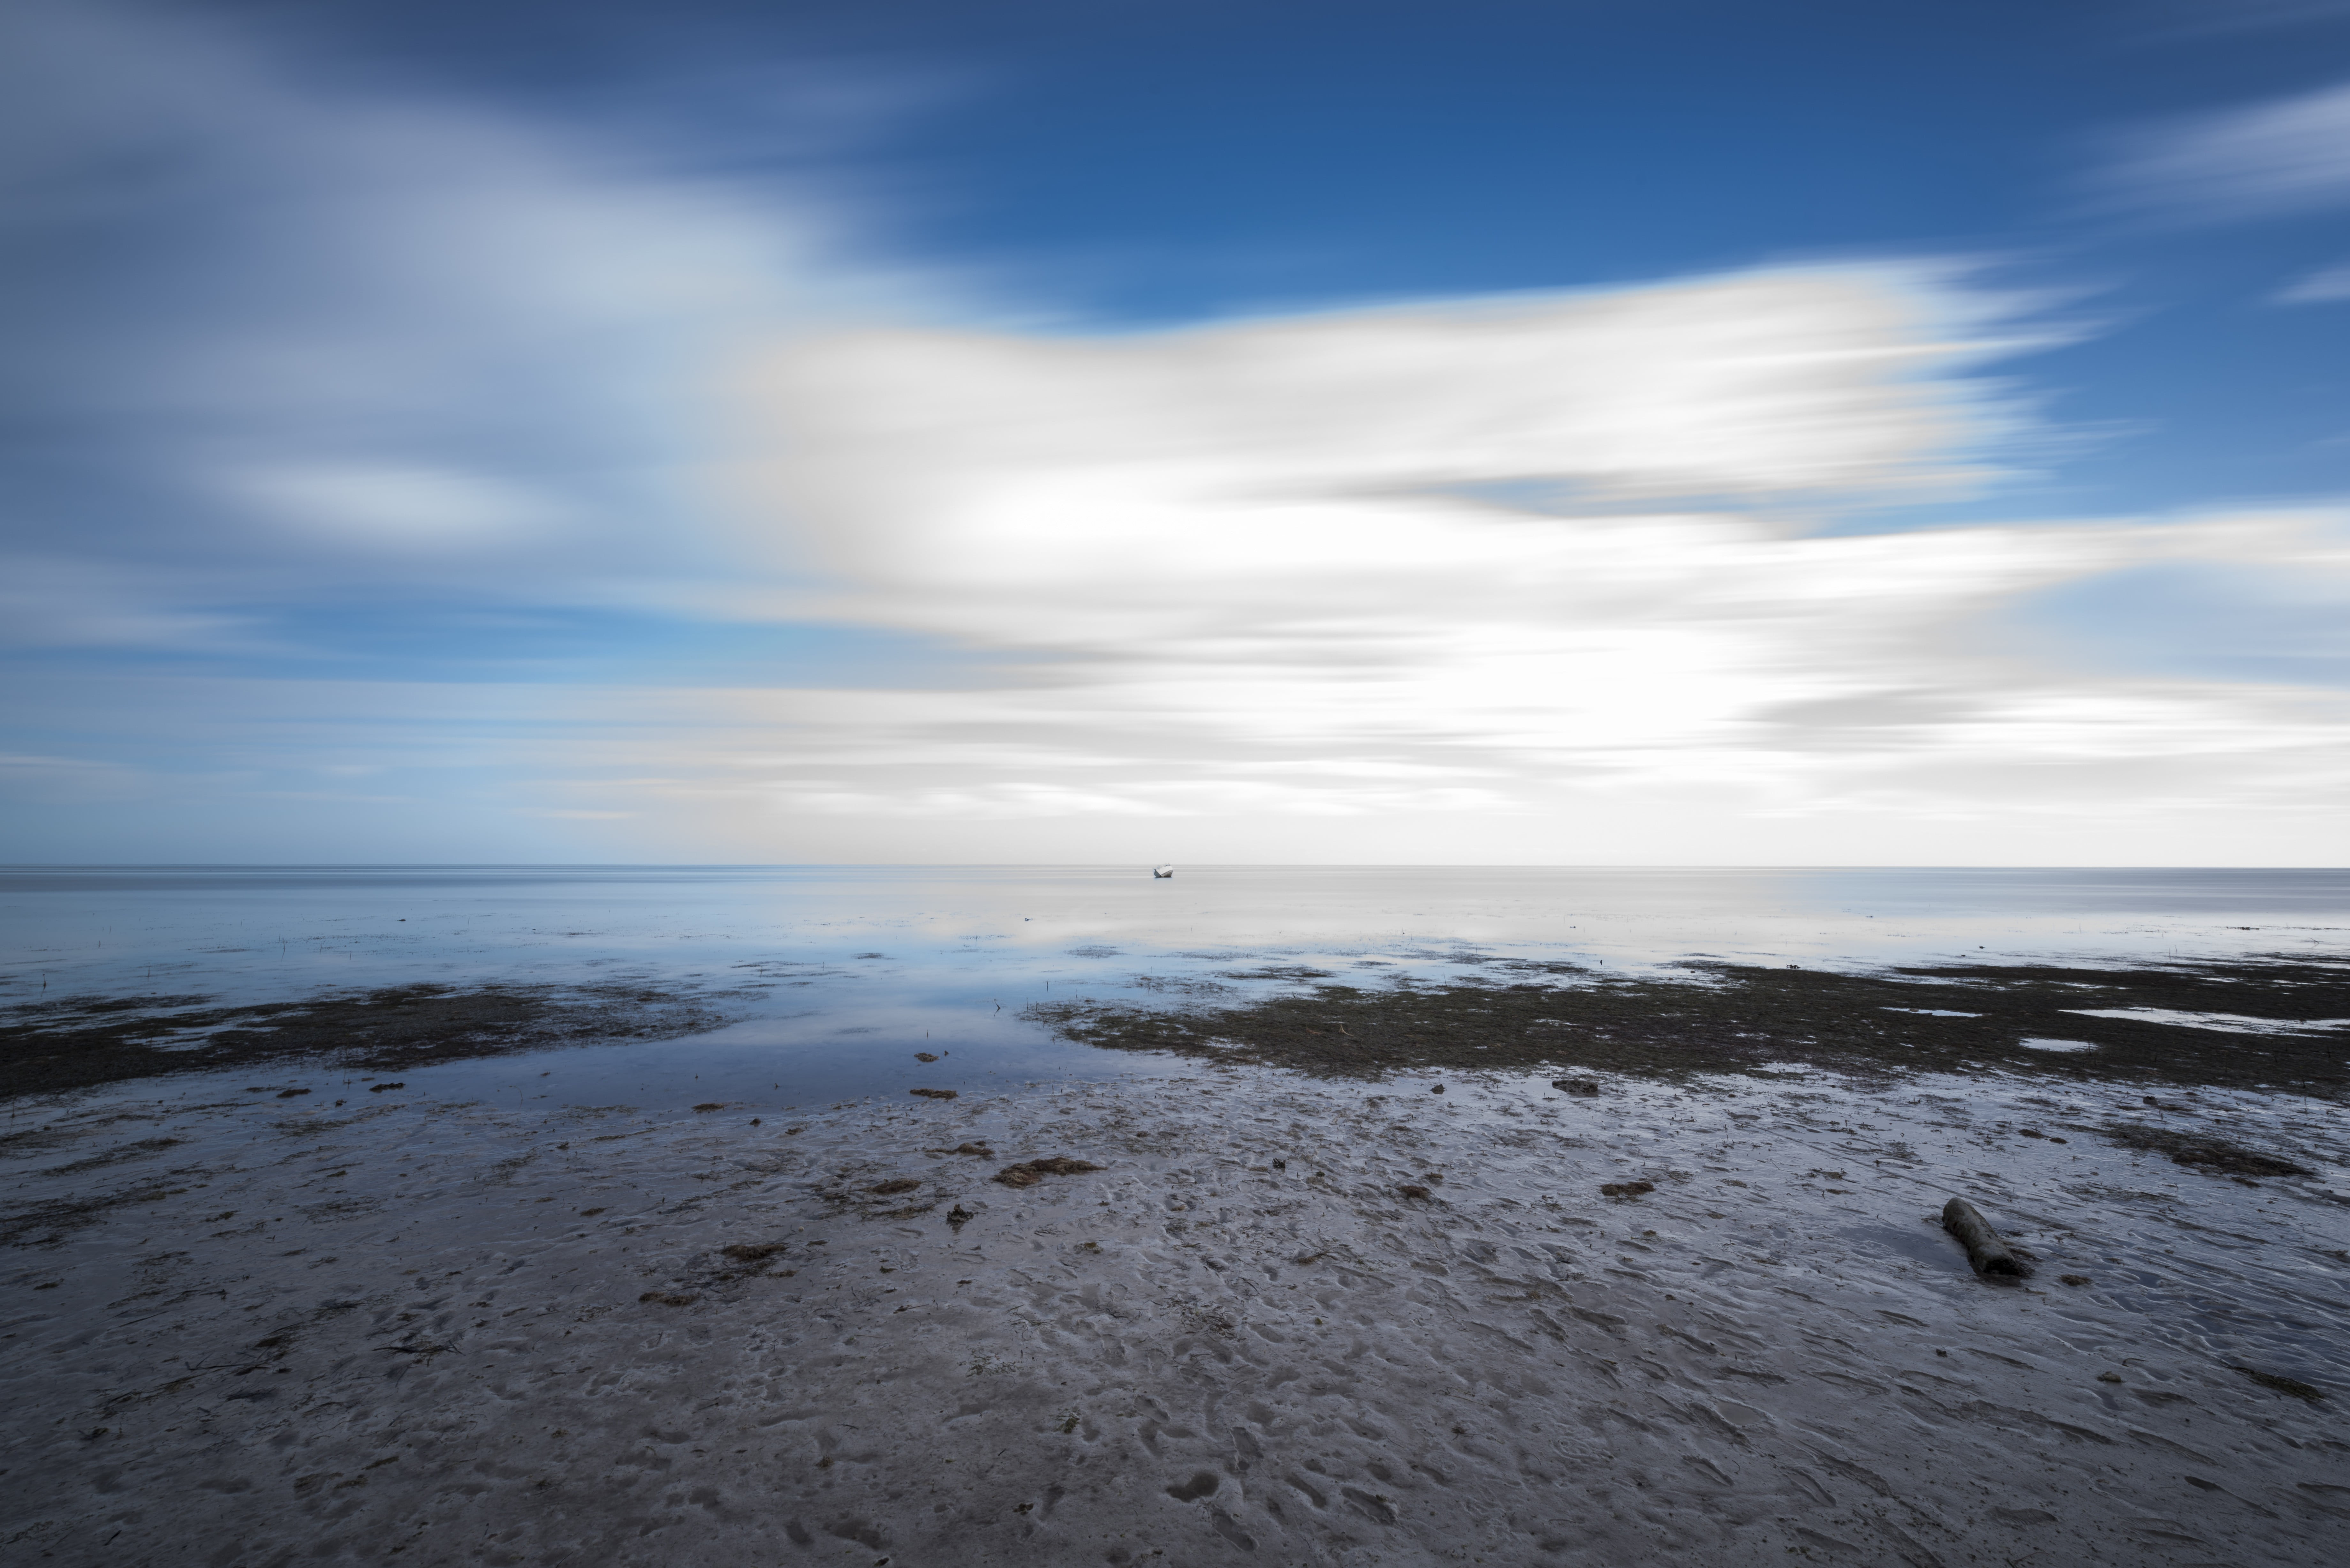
pixel 2287 155
pixel 1260 576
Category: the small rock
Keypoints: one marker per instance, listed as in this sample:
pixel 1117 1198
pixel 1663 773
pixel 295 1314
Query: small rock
pixel 1411 1191
pixel 933 1094
pixel 379 1088
pixel 924 1056
pixel 667 1298
pixel 1438 1090
pixel 710 1105
pixel 1576 1086
pixel 958 1217
pixel 895 1184
pixel 2109 1378
pixel 1627 1188
pixel 289 1093
pixel 2076 1279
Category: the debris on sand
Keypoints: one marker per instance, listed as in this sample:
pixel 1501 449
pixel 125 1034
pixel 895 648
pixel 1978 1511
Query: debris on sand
pixel 1412 1189
pixel 1986 1251
pixel 1029 1172
pixel 1626 1189
pixel 751 1252
pixel 958 1217
pixel 289 1093
pixel 2077 1279
pixel 2213 1155
pixel 1576 1086
pixel 924 1056
pixel 933 1094
pixel 668 1298
pixel 379 1088
pixel 710 1105
pixel 2291 1386
pixel 979 1149
pixel 895 1183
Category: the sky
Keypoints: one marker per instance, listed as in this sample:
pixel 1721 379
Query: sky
pixel 1590 431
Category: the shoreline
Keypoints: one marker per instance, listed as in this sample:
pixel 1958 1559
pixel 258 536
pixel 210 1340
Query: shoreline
pixel 2258 1021
pixel 457 1332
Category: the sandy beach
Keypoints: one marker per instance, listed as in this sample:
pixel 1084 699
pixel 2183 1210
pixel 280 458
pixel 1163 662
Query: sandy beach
pixel 253 1330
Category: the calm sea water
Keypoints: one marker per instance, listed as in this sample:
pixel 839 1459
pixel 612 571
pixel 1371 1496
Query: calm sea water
pixel 835 976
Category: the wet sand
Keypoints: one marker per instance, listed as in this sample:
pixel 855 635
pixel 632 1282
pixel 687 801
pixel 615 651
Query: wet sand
pixel 248 1330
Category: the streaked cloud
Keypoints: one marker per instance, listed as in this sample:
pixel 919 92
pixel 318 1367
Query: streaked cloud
pixel 1622 574
pixel 2290 154
pixel 1518 557
pixel 2321 287
pixel 339 333
pixel 397 507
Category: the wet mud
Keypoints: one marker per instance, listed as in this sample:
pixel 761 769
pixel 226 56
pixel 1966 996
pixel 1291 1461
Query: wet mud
pixel 1317 1323
pixel 1723 1017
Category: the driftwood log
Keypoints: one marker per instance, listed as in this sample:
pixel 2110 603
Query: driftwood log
pixel 1988 1253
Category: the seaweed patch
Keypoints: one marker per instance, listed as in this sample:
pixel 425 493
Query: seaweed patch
pixel 73 1042
pixel 1717 1017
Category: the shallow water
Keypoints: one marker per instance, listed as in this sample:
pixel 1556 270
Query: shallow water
pixel 835 976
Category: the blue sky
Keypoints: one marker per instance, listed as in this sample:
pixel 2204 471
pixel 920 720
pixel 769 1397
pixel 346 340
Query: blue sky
pixel 1650 432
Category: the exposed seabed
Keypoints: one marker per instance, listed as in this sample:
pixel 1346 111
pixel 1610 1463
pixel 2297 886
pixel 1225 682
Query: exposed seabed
pixel 249 1329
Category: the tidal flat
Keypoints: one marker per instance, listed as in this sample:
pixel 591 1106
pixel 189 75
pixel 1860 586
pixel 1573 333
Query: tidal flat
pixel 1260 1215
pixel 1285 1319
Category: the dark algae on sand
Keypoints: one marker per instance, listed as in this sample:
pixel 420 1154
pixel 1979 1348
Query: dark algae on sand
pixel 74 1042
pixel 1725 1017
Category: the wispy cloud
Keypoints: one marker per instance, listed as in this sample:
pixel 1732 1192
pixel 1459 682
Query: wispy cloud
pixel 2290 154
pixel 2321 287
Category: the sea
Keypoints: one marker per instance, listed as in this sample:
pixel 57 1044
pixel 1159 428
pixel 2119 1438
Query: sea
pixel 833 978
